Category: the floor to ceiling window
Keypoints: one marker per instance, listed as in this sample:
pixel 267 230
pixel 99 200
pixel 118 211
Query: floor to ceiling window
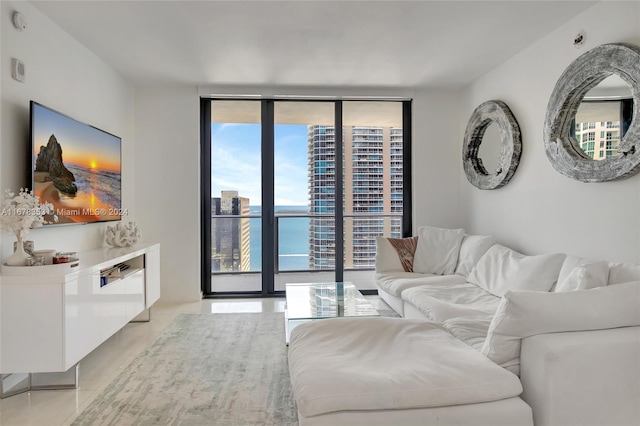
pixel 283 202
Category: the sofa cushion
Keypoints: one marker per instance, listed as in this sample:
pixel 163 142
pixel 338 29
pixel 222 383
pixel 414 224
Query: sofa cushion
pixel 386 364
pixel 442 302
pixel 501 269
pixel 471 250
pixel 437 251
pixel 527 313
pixel 470 330
pixel 396 283
pixel 585 276
pixel 623 272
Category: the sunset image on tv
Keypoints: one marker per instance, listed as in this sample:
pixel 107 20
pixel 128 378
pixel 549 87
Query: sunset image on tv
pixel 76 167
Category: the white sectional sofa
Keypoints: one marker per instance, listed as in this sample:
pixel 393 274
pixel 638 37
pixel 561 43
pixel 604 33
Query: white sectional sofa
pixel 488 336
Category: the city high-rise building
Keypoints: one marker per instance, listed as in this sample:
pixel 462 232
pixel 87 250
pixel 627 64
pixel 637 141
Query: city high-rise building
pixel 372 160
pixel 600 139
pixel 597 128
pixel 230 240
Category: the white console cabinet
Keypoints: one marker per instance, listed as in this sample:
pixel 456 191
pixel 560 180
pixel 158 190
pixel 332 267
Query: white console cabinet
pixel 54 315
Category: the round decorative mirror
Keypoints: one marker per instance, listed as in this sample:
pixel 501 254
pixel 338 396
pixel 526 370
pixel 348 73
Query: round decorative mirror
pixel 592 126
pixel 603 118
pixel 489 150
pixel 492 146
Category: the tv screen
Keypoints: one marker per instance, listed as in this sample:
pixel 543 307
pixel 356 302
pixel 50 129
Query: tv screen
pixel 76 167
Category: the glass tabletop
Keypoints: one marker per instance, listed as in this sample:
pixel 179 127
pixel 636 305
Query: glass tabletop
pixel 326 300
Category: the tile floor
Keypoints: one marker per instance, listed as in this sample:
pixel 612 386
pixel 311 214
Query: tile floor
pixel 60 407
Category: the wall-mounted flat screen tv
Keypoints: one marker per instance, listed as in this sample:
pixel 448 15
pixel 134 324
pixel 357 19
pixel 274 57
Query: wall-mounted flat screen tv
pixel 76 167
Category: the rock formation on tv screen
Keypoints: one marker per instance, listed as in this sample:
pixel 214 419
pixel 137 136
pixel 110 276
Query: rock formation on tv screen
pixel 50 161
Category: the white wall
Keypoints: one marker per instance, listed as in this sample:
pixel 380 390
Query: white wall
pixel 541 210
pixel 436 159
pixel 62 74
pixel 168 184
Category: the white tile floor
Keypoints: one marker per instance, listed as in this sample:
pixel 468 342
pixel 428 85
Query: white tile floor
pixel 60 407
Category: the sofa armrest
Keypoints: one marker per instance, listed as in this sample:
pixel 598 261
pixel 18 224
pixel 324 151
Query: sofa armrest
pixel 583 378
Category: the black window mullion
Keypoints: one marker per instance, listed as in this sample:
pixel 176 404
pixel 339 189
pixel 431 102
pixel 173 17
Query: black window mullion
pixel 407 218
pixel 205 193
pixel 339 185
pixel 268 228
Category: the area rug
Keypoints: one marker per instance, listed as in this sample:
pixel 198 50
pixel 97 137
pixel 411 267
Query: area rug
pixel 204 369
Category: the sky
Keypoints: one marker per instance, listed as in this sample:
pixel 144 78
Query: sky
pixel 235 162
pixel 81 144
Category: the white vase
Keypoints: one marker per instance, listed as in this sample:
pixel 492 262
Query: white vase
pixel 19 258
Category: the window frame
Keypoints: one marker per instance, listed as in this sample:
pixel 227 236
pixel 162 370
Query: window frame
pixel 268 270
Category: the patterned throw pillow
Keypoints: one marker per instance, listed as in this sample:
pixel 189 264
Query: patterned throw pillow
pixel 406 249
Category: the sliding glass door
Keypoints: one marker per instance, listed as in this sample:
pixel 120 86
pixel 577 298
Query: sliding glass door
pixel 374 181
pixel 296 212
pixel 236 191
pixel 297 191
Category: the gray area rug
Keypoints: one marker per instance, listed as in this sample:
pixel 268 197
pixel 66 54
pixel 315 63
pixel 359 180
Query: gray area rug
pixel 204 369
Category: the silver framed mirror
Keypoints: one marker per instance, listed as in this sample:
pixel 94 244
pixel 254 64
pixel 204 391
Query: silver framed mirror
pixel 574 158
pixel 507 147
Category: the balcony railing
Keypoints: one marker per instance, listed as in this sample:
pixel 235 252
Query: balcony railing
pixel 315 253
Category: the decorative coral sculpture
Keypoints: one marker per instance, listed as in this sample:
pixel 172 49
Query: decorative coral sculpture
pixel 123 235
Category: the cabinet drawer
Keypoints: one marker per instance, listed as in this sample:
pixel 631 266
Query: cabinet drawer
pixel 94 313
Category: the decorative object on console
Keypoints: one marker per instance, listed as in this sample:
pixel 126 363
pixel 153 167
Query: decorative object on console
pixel 563 150
pixel 123 235
pixel 36 260
pixel 20 213
pixel 27 245
pixel 64 257
pixel 510 150
pixel 46 254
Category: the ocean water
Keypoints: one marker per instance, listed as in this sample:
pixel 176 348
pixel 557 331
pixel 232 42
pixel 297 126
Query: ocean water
pixel 104 185
pixel 293 240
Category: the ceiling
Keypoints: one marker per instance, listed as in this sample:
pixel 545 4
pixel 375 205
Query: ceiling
pixel 370 44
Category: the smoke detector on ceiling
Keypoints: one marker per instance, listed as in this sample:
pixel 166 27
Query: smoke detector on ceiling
pixel 19 21
pixel 578 40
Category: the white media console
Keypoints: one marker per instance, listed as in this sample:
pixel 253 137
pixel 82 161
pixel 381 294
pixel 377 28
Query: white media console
pixel 52 316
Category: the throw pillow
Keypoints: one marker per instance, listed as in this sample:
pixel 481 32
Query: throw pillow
pixel 527 313
pixel 585 276
pixel 501 269
pixel 623 272
pixel 437 251
pixel 406 249
pixel 471 250
pixel 395 254
pixel 570 262
pixel 386 258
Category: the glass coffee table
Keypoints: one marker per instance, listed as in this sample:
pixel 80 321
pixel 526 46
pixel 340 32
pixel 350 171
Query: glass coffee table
pixel 313 301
